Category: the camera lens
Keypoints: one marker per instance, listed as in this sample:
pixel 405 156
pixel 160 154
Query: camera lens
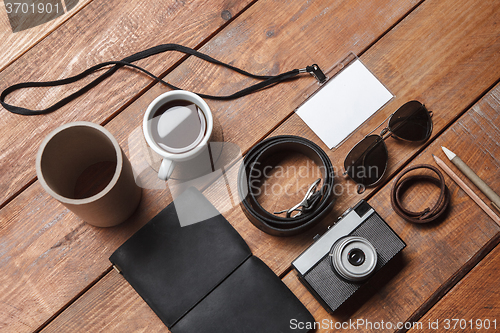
pixel 353 258
pixel 356 257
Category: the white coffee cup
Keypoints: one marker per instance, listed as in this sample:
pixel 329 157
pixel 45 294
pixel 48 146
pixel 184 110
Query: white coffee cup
pixel 170 124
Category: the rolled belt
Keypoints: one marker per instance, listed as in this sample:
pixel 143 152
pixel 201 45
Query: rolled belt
pixel 316 204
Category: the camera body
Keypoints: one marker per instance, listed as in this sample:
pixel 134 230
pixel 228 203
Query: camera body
pixel 341 261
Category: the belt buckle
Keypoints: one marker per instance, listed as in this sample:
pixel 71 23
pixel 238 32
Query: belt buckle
pixel 303 204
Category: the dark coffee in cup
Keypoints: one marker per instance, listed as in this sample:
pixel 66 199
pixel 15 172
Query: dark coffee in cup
pixel 178 126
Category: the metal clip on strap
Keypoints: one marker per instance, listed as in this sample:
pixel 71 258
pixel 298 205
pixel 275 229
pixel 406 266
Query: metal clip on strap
pixel 316 204
pixel 112 66
pixel 315 71
pixel 306 203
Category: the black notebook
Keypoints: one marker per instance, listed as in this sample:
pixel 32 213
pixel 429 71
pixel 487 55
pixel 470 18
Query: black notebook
pixel 203 278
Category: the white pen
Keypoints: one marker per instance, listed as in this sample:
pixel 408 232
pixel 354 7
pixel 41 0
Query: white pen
pixel 495 199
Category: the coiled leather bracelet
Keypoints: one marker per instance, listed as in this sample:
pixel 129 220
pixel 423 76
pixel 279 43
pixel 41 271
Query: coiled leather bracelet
pixel 428 214
pixel 312 209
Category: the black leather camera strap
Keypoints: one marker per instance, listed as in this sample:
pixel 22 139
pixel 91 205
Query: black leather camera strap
pixel 251 177
pixel 266 81
pixel 428 214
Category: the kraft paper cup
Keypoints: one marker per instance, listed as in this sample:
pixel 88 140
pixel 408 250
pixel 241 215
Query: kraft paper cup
pixel 67 152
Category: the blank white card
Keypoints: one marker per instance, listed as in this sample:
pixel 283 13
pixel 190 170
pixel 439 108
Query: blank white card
pixel 344 103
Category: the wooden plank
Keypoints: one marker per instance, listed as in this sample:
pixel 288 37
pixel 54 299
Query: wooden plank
pixel 14 44
pixel 49 245
pixel 321 31
pixel 102 31
pixel 45 260
pixel 418 72
pixel 113 31
pixel 480 289
pixel 132 314
pixel 437 255
pixel 410 284
pixel 447 98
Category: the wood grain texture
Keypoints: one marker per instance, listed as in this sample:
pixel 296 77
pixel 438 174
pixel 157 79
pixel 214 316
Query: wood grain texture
pixel 16 44
pixel 271 38
pixel 408 77
pixel 56 265
pixel 45 260
pixel 34 285
pixel 447 98
pixel 475 298
pixel 102 31
pixel 410 284
pixel 439 254
pixel 467 190
pixel 131 314
pixel 243 39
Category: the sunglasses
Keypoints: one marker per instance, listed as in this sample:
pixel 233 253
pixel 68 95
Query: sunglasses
pixel 366 163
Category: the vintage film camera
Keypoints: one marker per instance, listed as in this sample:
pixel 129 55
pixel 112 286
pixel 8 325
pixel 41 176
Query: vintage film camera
pixel 341 260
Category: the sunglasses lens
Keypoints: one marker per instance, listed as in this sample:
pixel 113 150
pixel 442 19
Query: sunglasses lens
pixel 411 122
pixel 367 161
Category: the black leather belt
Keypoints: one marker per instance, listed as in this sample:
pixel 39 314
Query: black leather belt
pixel 316 204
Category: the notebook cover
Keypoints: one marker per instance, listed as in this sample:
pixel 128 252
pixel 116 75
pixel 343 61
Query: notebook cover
pixel 174 267
pixel 202 278
pixel 252 299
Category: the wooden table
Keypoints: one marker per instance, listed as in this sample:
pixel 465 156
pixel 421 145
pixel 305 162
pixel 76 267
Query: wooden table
pixel 55 272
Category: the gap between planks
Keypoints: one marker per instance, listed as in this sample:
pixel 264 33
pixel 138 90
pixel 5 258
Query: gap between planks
pixel 139 94
pixel 50 31
pixel 456 278
pixel 435 297
pixel 62 309
pixel 452 282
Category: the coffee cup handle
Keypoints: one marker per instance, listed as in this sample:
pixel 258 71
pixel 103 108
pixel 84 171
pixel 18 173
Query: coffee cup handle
pixel 166 169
